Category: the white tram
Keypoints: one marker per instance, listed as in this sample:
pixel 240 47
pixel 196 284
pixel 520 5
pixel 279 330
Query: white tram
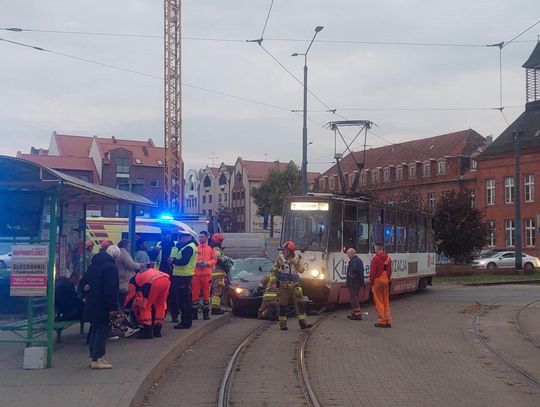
pixel 324 226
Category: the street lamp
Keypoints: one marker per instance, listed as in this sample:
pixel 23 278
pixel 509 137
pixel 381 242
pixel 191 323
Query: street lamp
pixel 304 128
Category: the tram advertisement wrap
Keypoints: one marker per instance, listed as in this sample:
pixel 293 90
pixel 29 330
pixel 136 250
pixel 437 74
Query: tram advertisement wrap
pixel 29 270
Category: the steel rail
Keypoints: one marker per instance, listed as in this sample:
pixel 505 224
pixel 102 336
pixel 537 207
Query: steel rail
pixel 223 397
pixel 519 326
pixel 498 355
pixel 303 375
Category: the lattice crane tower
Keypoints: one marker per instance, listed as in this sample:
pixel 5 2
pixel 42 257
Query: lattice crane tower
pixel 174 164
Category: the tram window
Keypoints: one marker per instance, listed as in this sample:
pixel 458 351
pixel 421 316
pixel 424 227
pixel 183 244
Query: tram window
pixel 389 242
pixel 412 239
pixel 362 212
pixel 377 235
pixel 349 235
pixel 349 213
pixel 375 214
pixel 334 235
pixel 363 237
pixel 401 239
pixel 421 234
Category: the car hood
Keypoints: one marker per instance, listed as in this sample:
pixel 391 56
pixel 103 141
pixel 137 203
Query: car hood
pixel 250 285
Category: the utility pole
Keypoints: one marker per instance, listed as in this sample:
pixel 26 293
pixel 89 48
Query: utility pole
pixel 517 202
pixel 174 164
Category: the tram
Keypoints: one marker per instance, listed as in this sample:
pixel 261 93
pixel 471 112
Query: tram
pixel 324 226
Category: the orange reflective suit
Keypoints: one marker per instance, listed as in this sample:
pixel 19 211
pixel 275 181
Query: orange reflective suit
pixel 379 275
pixel 203 275
pixel 148 289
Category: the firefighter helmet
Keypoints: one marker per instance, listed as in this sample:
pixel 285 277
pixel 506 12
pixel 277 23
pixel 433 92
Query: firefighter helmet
pixel 288 245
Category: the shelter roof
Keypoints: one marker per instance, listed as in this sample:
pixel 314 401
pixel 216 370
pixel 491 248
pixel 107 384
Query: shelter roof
pixel 60 163
pixel 447 145
pixel 17 174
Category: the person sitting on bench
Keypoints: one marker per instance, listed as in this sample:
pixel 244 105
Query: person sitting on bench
pixel 69 306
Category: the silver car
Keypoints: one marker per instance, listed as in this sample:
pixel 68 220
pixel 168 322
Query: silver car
pixel 506 260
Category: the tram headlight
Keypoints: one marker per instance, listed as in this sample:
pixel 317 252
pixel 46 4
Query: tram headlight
pixel 314 273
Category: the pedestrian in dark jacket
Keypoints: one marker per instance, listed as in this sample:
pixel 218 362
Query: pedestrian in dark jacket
pixel 100 290
pixel 355 282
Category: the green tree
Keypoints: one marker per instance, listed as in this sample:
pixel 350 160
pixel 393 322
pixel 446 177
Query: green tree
pixel 276 186
pixel 459 227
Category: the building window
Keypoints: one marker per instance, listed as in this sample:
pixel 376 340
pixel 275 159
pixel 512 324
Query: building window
pixel 431 201
pixel 219 198
pixel 204 199
pixel 159 162
pixel 209 213
pixel 441 167
pixel 209 198
pixel 204 212
pixel 386 175
pixel 154 183
pixel 412 171
pixel 138 161
pixel 321 184
pixel 331 183
pixel 399 173
pixel 375 176
pixel 490 191
pixel 530 231
pixel 474 165
pixel 225 196
pixel 510 232
pixel 363 178
pixel 509 190
pixel 529 188
pixel 426 169
pixel 122 165
pixel 243 195
pixel 492 233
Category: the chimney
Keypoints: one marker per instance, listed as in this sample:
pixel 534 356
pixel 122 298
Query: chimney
pixel 114 140
pixel 489 140
pixel 150 142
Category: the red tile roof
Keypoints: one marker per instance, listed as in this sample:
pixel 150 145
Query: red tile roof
pixel 63 163
pixel 79 146
pixel 452 144
pixel 257 170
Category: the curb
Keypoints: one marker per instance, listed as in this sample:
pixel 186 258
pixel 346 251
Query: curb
pixel 514 282
pixel 137 391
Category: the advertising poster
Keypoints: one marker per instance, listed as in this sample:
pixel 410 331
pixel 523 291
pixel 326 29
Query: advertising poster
pixel 29 270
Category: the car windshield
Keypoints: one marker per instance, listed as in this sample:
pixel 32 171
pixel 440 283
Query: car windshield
pixel 247 270
pixel 306 224
pixel 5 248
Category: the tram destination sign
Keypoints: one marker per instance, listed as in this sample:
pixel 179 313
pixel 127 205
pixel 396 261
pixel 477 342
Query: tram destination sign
pixel 309 206
pixel 29 270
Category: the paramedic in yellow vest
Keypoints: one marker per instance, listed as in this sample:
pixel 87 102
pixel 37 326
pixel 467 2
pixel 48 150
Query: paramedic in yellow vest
pixel 219 274
pixel 287 268
pixel 269 308
pixel 183 258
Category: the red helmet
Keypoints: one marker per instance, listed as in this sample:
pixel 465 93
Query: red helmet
pixel 218 238
pixel 288 245
pixel 89 243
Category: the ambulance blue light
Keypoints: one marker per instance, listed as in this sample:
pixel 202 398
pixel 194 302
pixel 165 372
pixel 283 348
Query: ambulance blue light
pixel 166 216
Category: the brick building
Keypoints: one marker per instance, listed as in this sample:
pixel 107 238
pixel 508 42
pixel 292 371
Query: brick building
pixel 495 174
pixel 116 163
pixel 414 174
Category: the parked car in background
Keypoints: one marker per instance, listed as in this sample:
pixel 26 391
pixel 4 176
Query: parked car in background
pixel 244 277
pixel 5 256
pixel 506 259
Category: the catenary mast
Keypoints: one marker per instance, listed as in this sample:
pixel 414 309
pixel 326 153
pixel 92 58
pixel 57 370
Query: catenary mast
pixel 174 164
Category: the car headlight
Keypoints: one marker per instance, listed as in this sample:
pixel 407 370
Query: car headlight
pixel 314 273
pixel 242 292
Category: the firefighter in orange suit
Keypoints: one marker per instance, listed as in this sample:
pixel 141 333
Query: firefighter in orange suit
pixel 206 260
pixel 148 291
pixel 380 273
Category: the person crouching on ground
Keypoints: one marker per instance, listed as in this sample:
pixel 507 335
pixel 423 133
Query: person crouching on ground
pixel 269 308
pixel 380 273
pixel 355 282
pixel 100 290
pixel 147 297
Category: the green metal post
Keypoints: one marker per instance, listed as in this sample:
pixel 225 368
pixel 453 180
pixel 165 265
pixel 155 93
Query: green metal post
pixel 84 239
pixel 30 319
pixel 50 276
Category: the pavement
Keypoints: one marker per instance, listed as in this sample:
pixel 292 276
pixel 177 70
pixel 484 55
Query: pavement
pixel 138 364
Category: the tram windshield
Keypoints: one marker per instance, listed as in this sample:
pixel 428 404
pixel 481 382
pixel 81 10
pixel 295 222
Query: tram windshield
pixel 306 224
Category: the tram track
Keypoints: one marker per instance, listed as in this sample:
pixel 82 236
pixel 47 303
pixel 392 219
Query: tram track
pixel 519 325
pixel 497 354
pixel 224 394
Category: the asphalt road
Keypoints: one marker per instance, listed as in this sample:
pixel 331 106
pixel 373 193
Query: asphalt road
pixel 432 356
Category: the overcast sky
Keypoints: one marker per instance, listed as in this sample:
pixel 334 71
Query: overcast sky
pixel 41 92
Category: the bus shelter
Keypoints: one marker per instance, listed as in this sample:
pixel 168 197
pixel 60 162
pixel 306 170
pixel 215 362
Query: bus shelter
pixel 33 201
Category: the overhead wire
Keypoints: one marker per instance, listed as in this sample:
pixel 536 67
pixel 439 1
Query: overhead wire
pixel 267 18
pixel 521 33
